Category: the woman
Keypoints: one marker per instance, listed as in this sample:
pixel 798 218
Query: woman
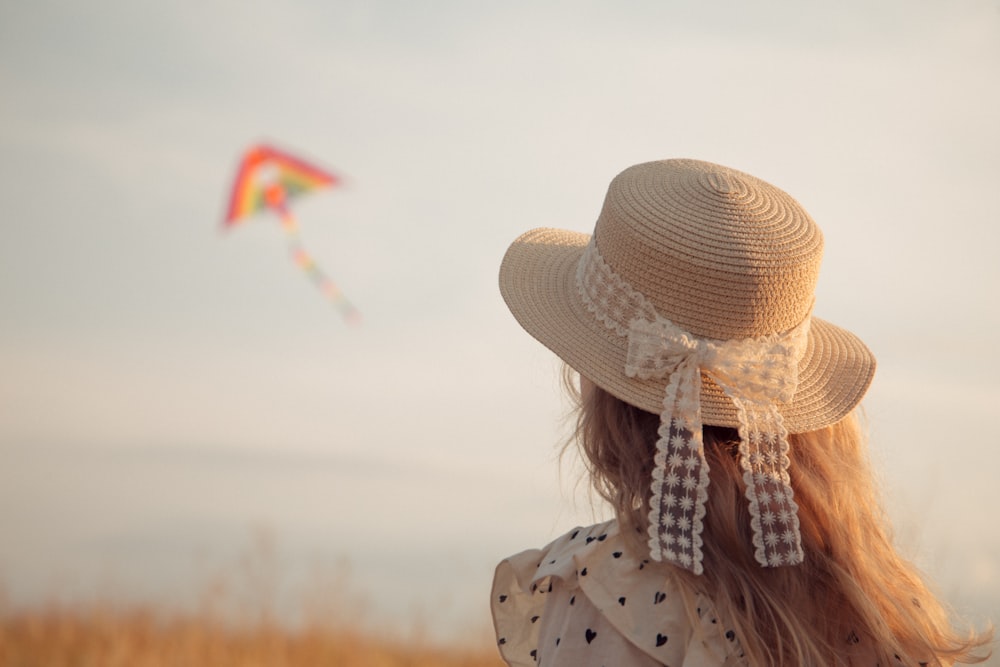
pixel 717 416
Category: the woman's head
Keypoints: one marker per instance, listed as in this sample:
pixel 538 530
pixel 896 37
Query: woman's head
pixel 693 301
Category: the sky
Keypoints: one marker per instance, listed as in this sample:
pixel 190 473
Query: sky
pixel 177 401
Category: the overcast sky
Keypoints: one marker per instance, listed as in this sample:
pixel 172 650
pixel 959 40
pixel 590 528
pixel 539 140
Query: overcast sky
pixel 168 390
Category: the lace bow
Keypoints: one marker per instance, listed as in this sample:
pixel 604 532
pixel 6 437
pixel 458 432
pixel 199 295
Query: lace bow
pixel 754 373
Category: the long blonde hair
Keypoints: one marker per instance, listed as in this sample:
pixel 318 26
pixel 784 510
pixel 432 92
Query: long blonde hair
pixel 854 600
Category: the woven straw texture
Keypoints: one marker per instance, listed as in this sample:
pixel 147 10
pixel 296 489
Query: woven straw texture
pixel 718 252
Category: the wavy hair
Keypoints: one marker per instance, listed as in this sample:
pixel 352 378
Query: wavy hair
pixel 853 601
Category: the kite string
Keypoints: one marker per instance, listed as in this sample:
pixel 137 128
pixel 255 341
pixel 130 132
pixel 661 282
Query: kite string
pixel 305 261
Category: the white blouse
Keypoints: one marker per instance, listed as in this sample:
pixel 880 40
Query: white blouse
pixel 583 600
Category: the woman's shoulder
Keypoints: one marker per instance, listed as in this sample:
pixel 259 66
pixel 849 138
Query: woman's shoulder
pixel 644 601
pixel 558 557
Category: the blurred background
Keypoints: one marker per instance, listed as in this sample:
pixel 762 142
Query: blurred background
pixel 177 403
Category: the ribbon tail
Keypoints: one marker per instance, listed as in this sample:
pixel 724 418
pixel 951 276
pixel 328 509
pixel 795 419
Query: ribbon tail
pixel 308 265
pixel 764 459
pixel 680 474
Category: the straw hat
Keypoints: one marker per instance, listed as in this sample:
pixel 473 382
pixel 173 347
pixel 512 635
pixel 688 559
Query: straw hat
pixel 722 255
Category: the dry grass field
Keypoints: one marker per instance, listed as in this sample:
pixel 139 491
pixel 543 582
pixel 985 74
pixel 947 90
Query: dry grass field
pixel 233 622
pixel 105 636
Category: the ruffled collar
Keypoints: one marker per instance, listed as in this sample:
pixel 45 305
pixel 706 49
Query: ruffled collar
pixel 644 601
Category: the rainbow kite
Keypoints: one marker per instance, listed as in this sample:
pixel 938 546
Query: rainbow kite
pixel 267 179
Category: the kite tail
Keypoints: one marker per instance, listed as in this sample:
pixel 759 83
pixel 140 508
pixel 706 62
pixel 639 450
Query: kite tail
pixel 305 261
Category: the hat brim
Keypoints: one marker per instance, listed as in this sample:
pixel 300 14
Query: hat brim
pixel 538 283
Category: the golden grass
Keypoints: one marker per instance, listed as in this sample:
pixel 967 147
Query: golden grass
pixel 234 623
pixel 107 636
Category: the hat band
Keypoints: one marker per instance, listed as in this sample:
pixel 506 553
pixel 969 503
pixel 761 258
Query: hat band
pixel 755 373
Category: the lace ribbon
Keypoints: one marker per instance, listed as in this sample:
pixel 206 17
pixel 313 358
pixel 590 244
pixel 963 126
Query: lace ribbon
pixel 754 373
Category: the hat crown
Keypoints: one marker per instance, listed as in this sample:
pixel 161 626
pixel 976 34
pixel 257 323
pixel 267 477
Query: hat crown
pixel 718 252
